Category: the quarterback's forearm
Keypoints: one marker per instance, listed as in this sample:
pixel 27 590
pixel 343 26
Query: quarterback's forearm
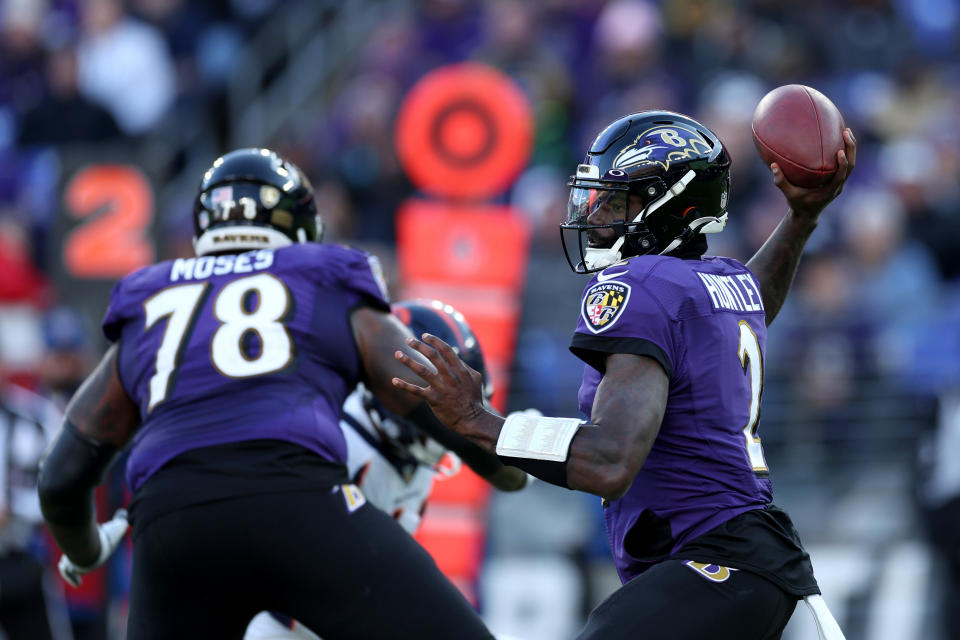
pixel 775 263
pixel 603 458
pixel 598 461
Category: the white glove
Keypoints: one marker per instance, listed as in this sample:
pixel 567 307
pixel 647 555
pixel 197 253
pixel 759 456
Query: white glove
pixel 111 533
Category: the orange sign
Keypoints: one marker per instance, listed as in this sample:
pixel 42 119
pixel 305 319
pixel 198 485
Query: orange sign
pixel 116 202
pixel 474 258
pixel 464 132
pixel 463 135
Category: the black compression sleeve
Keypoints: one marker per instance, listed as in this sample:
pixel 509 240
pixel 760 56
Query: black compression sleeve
pixel 74 465
pixel 481 461
pixel 546 470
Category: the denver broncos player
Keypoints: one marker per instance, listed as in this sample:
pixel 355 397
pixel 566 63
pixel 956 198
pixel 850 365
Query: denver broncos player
pixel 673 345
pixel 388 457
pixel 392 461
pixel 226 380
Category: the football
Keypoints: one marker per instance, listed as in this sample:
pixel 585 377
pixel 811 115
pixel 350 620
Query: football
pixel 800 129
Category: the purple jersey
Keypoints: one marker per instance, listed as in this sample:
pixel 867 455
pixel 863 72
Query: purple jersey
pixel 703 320
pixel 257 345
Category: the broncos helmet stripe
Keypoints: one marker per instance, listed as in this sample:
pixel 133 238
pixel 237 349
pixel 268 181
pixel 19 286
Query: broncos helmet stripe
pixel 448 324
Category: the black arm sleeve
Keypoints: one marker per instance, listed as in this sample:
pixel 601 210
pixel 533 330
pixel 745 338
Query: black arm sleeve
pixel 481 461
pixel 547 470
pixel 69 472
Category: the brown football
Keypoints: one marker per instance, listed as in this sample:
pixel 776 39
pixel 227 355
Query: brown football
pixel 801 130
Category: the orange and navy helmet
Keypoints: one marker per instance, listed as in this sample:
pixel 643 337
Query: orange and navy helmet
pixel 448 324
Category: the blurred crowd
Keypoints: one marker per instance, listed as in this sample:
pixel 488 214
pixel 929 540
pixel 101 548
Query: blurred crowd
pixel 859 362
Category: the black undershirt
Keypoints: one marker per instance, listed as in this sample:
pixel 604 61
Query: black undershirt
pixel 231 470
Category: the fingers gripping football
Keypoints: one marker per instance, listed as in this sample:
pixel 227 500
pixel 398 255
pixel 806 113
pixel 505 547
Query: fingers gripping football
pixel 810 201
pixel 454 390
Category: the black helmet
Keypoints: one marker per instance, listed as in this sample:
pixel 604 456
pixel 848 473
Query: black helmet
pixel 253 199
pixel 652 182
pixel 448 324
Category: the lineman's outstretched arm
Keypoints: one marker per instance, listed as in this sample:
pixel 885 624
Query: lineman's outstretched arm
pixel 775 263
pixel 602 459
pixel 100 420
pixel 378 335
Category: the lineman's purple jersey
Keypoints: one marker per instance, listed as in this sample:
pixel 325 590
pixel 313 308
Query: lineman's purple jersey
pixel 704 321
pixel 241 347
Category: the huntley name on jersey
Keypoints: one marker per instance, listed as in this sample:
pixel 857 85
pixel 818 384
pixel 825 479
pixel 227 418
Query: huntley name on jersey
pixel 736 293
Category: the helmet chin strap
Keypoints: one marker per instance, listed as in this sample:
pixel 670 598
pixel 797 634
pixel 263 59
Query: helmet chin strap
pixel 700 225
pixel 597 258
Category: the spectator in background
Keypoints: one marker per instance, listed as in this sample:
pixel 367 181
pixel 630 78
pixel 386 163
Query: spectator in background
pixel 65 115
pixel 361 136
pixel 939 498
pixel 29 610
pixel 125 65
pixel 923 177
pixel 21 53
pixel 22 281
pixel 935 360
pixel 67 357
pixel 24 292
pixel 827 344
pixel 182 25
pixel 897 278
pixel 627 71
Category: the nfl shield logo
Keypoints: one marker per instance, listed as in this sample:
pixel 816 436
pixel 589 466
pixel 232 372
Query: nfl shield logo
pixel 603 304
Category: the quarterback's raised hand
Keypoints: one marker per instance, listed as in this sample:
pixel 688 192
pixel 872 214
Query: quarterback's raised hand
pixel 454 391
pixel 809 202
pixel 111 533
pixel 775 263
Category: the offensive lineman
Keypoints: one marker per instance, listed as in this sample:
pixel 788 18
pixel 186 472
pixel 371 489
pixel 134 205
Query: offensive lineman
pixel 388 458
pixel 226 378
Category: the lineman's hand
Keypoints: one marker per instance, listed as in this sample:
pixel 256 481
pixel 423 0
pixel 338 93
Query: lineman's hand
pixel 111 533
pixel 454 391
pixel 808 203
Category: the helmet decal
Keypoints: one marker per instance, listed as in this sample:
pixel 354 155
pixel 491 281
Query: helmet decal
pixel 269 196
pixel 661 145
pixel 220 195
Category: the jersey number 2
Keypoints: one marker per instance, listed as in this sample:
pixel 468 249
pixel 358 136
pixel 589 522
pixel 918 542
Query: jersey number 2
pixel 237 324
pixel 752 362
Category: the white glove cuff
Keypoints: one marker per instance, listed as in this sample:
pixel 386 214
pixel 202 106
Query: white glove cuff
pixel 111 533
pixel 537 437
